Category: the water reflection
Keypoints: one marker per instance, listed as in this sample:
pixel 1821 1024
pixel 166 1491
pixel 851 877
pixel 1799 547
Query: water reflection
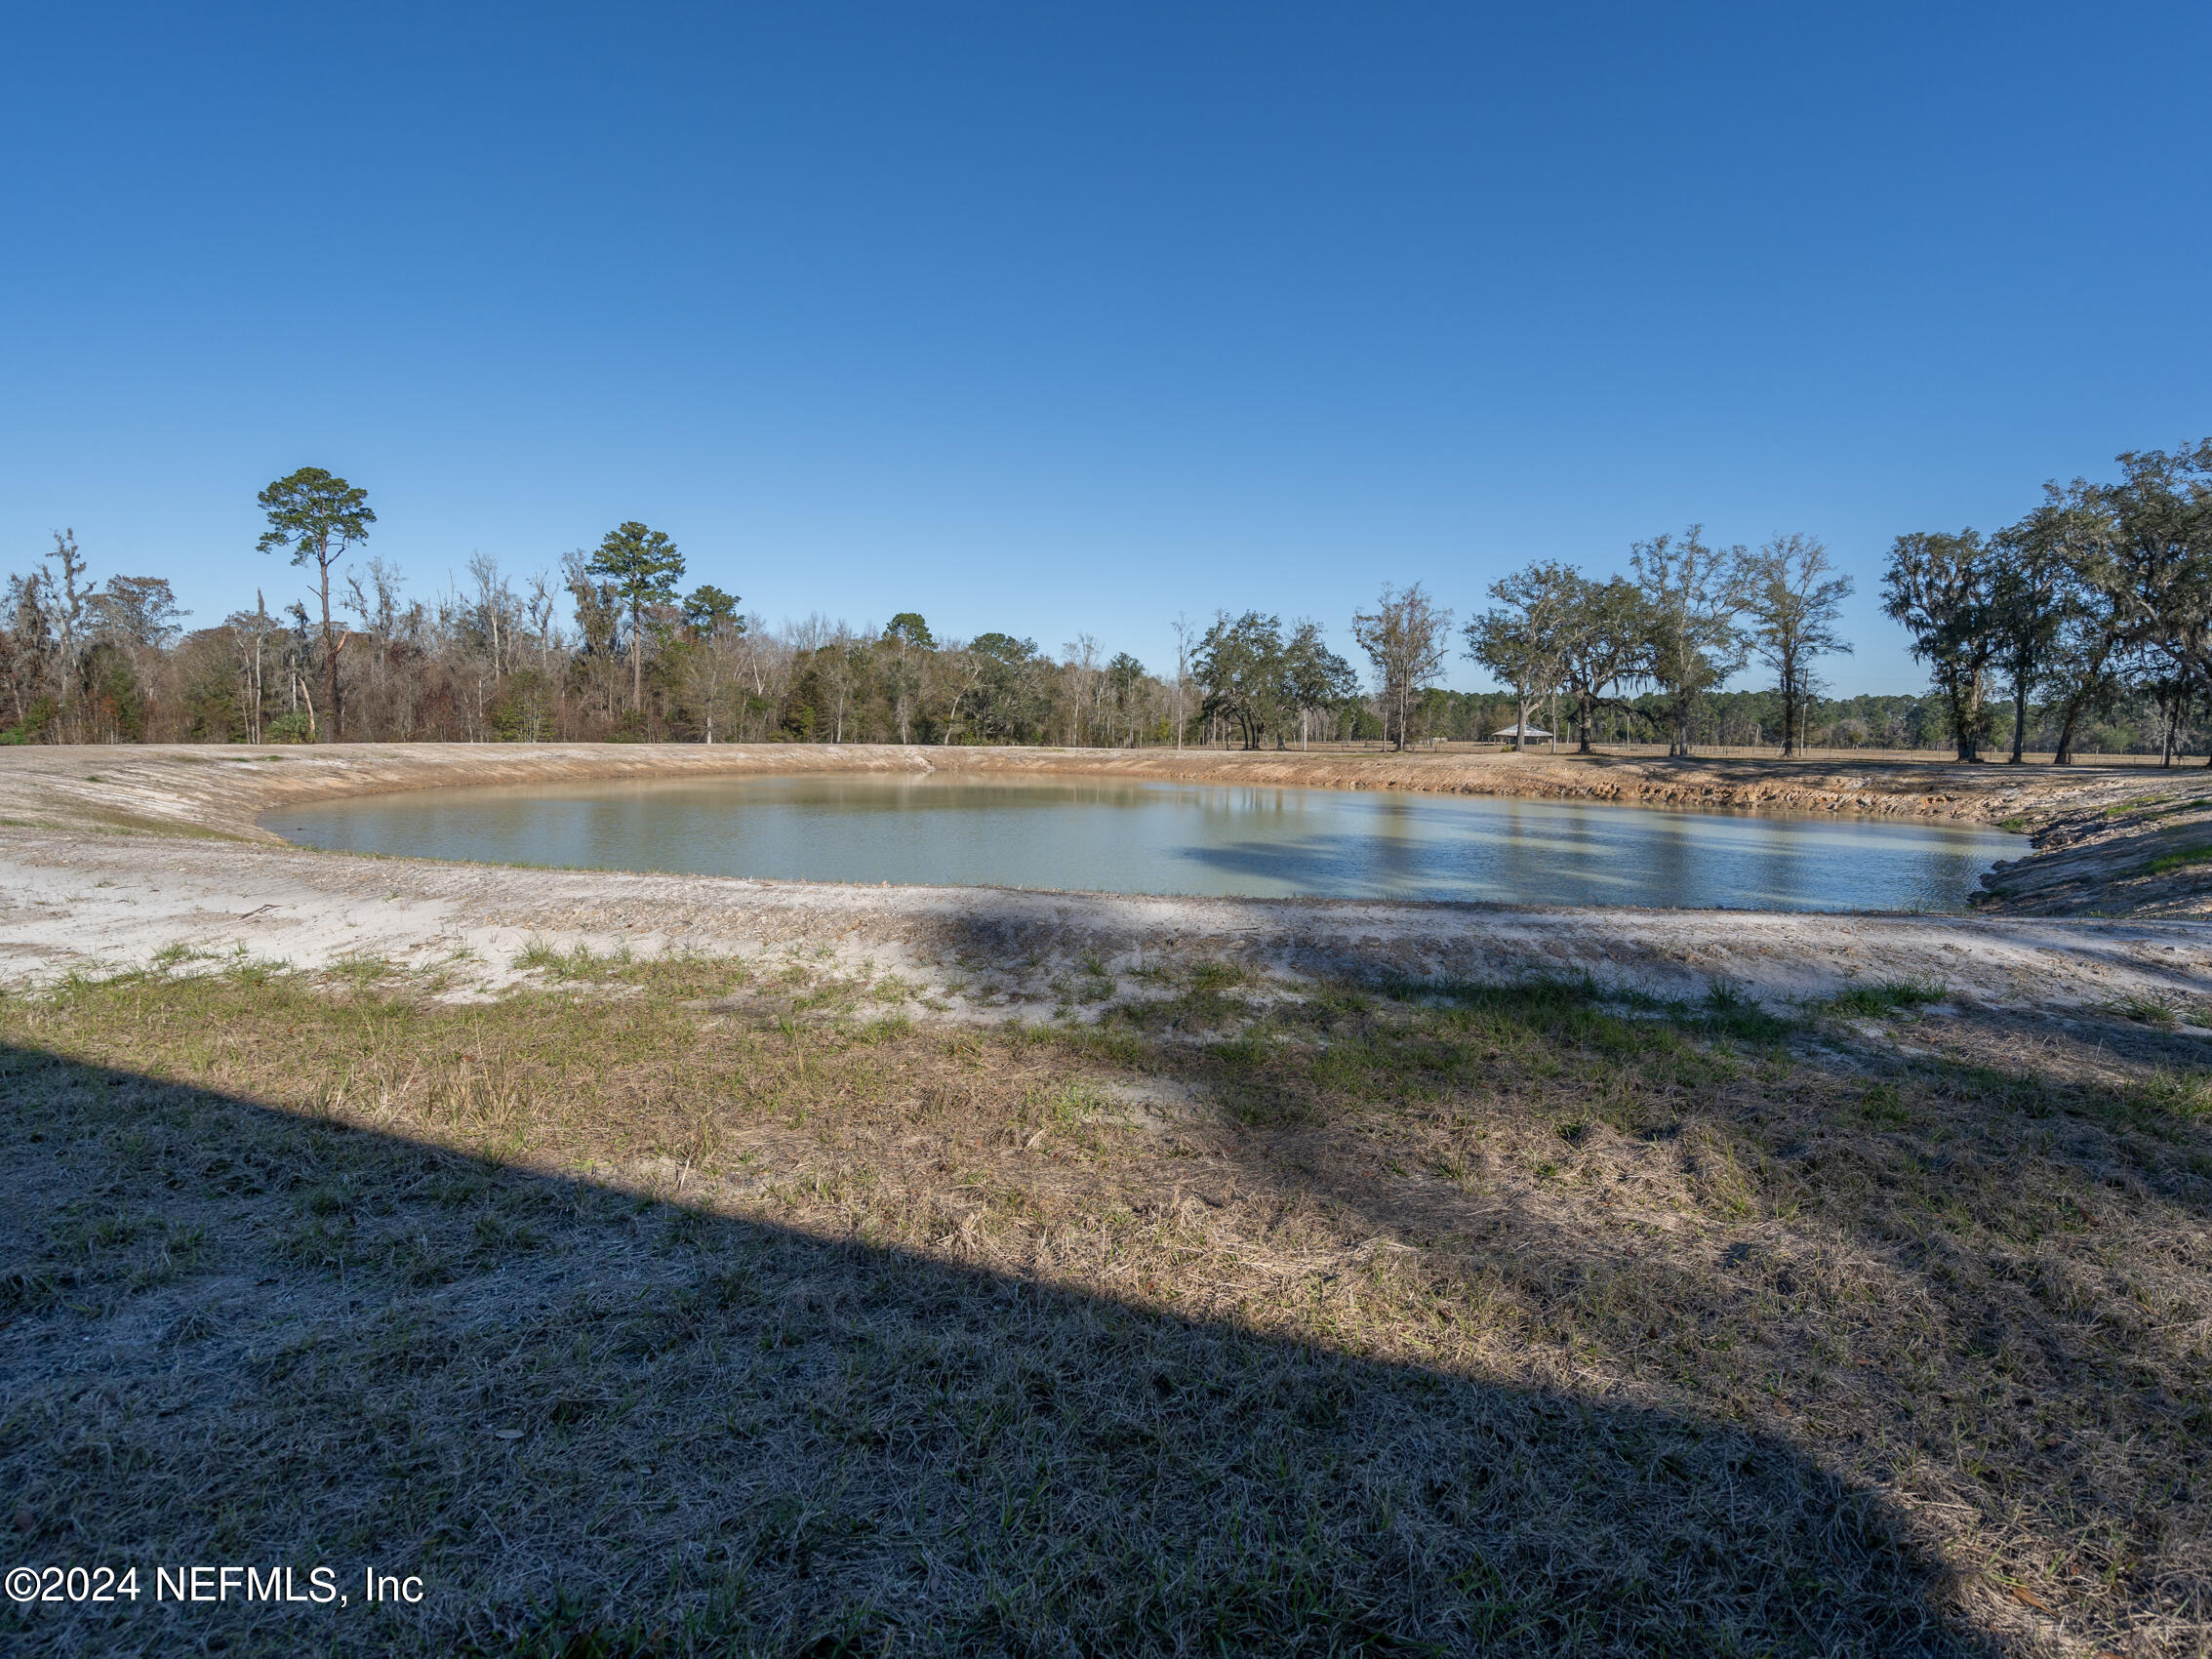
pixel 1147 837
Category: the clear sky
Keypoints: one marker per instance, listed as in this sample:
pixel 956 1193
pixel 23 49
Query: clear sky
pixel 1050 317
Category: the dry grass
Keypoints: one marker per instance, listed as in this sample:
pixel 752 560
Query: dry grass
pixel 655 1311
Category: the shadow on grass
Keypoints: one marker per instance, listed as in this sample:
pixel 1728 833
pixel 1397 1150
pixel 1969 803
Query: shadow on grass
pixel 1978 1268
pixel 593 1424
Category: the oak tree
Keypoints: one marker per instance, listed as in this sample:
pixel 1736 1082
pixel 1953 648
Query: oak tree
pixel 1937 584
pixel 1522 638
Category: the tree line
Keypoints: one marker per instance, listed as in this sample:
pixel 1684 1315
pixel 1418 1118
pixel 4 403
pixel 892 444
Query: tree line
pixel 2094 607
pixel 2100 594
pixel 1654 643
pixel 2089 617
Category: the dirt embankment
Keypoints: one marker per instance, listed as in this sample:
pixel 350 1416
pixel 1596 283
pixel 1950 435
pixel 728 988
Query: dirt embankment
pixel 2140 847
pixel 225 788
pixel 2105 842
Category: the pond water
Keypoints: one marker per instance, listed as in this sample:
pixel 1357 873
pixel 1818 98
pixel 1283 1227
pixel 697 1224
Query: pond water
pixel 1161 837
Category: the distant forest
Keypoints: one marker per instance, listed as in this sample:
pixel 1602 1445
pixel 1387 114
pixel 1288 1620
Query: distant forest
pixel 2084 628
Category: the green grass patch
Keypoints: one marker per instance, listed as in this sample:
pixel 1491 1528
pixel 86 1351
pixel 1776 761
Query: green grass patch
pixel 176 953
pixel 2156 806
pixel 1727 1012
pixel 2181 858
pixel 1884 1104
pixel 359 969
pixel 2146 1009
pixel 1886 996
pixel 2183 1093
pixel 580 963
pixel 1217 976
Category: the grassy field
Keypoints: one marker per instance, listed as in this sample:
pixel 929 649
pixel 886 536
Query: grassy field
pixel 658 1311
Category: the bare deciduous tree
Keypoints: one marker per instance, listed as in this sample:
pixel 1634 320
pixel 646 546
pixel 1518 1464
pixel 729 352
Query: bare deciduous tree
pixel 1691 605
pixel 1405 638
pixel 1793 598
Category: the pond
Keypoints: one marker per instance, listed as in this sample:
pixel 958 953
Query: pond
pixel 1122 836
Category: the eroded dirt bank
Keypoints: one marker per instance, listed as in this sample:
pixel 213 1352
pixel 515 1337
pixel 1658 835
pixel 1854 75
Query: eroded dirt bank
pixel 92 902
pixel 2140 846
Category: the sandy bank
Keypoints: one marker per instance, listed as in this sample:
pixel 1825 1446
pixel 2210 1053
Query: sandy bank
pixel 94 900
pixel 83 884
pixel 224 790
pixel 2105 841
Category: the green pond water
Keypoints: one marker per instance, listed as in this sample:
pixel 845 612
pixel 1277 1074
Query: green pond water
pixel 1162 837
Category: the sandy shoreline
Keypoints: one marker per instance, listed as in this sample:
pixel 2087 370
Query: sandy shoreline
pixel 84 884
pixel 93 902
pixel 224 790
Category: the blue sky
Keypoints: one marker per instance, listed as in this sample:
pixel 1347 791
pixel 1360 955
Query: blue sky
pixel 1061 317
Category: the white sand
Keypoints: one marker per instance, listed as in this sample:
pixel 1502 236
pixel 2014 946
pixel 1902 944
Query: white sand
pixel 94 901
